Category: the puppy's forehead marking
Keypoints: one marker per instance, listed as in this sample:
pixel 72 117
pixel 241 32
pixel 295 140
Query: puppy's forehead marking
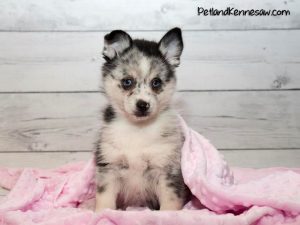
pixel 144 67
pixel 139 66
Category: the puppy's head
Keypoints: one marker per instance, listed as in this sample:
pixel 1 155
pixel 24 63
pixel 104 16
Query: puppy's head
pixel 138 75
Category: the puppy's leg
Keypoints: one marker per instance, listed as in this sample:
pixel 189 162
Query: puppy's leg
pixel 106 195
pixel 170 196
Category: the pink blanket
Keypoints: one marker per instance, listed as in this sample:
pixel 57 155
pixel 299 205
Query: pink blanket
pixel 223 196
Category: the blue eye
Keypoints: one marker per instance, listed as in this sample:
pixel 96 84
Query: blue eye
pixel 127 83
pixel 156 83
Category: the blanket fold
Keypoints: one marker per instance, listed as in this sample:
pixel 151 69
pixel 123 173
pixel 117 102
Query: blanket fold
pixel 222 195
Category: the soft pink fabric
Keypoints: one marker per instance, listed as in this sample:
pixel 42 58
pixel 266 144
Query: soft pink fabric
pixel 223 196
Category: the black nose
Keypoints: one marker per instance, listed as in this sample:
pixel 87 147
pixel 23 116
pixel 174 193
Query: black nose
pixel 142 106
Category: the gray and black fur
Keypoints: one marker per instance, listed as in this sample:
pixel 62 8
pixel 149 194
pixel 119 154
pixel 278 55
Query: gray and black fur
pixel 139 149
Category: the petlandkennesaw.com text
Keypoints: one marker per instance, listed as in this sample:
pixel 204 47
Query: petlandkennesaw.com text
pixel 231 11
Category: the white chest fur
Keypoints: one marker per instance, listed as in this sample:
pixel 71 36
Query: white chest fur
pixel 140 146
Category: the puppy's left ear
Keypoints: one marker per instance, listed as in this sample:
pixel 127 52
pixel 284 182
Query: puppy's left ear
pixel 171 46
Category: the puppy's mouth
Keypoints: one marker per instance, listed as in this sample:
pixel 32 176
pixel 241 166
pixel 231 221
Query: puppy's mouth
pixel 141 114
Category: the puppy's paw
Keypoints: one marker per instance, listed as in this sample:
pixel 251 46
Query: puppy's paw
pixel 105 201
pixel 99 209
pixel 171 205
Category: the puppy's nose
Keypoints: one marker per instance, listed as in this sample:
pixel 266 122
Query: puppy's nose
pixel 142 106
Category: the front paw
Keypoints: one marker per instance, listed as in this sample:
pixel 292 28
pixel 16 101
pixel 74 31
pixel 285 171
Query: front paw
pixel 99 209
pixel 171 205
pixel 105 201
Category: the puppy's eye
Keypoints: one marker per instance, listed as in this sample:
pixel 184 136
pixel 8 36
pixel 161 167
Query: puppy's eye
pixel 156 83
pixel 127 83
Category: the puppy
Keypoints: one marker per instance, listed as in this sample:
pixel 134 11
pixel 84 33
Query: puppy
pixel 139 148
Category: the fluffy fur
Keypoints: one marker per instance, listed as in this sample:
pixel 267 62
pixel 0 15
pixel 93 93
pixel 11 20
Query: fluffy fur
pixel 138 152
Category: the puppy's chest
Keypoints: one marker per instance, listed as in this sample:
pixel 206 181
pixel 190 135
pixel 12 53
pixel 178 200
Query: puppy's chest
pixel 137 149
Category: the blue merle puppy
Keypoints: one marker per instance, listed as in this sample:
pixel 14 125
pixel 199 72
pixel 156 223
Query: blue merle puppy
pixel 139 148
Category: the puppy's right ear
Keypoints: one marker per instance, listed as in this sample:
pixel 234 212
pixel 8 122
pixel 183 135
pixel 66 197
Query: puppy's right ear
pixel 115 43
